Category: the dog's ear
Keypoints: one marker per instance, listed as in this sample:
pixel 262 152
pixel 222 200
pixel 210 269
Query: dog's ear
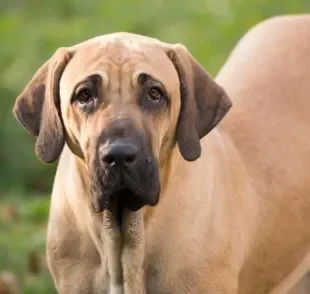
pixel 37 108
pixel 203 102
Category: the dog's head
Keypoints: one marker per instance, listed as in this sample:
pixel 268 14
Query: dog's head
pixel 121 102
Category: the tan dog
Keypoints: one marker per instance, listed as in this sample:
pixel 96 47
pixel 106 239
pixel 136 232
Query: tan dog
pixel 136 206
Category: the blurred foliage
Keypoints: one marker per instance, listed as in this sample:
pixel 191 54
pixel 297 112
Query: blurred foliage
pixel 31 31
pixel 22 243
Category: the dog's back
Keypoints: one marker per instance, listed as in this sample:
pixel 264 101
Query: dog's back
pixel 268 78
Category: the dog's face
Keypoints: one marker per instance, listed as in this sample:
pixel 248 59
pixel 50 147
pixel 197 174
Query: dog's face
pixel 121 102
pixel 116 108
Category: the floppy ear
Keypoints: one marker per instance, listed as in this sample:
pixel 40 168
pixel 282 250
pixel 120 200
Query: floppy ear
pixel 37 108
pixel 203 102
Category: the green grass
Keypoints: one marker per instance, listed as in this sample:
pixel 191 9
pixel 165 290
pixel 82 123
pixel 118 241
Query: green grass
pixel 22 233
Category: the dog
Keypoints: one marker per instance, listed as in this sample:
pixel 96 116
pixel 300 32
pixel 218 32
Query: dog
pixel 170 181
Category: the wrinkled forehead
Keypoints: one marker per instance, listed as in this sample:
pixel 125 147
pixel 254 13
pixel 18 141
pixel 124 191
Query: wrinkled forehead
pixel 113 58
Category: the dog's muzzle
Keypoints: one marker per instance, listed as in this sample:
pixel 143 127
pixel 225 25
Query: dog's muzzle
pixel 125 175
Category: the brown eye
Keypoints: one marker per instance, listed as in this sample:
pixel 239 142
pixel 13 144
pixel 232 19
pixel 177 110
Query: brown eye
pixel 85 96
pixel 155 94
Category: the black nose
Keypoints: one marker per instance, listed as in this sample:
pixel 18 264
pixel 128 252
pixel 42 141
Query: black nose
pixel 120 153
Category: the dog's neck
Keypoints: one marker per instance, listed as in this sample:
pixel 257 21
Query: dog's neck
pixel 124 250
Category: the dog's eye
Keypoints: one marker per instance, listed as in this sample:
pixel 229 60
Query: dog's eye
pixel 155 94
pixel 84 96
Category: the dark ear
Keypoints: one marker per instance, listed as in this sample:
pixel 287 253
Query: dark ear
pixel 203 102
pixel 37 108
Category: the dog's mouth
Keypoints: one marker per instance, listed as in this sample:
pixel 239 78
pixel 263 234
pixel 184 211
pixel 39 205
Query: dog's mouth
pixel 117 190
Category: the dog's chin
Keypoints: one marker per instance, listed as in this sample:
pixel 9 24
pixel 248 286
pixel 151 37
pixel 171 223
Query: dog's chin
pixel 124 198
pixel 121 200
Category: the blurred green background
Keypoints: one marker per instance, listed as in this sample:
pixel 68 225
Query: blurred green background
pixel 30 32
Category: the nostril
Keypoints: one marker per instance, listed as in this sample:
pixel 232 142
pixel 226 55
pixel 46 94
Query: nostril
pixel 130 158
pixel 108 159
